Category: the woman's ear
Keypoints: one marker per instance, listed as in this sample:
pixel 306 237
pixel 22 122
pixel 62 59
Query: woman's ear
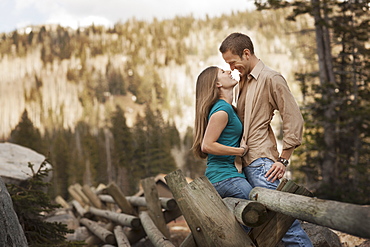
pixel 218 84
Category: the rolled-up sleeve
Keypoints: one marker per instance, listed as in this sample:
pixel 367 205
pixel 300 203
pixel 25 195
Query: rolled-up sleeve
pixel 290 113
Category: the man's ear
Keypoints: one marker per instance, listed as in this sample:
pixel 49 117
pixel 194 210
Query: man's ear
pixel 246 53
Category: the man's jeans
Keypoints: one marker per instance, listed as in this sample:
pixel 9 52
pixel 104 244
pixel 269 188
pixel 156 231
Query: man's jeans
pixel 255 174
pixel 234 187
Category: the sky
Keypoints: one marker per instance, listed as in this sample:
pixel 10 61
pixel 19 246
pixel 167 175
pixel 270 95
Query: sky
pixel 73 13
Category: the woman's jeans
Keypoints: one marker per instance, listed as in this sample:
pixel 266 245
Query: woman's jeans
pixel 234 187
pixel 255 174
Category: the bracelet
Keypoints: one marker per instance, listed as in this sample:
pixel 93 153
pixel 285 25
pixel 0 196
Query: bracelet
pixel 245 152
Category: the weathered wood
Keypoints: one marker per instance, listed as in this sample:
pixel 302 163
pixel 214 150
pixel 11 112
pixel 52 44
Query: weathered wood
pixel 75 195
pixel 154 206
pixel 80 210
pixel 60 200
pixel 93 198
pixel 155 235
pixel 277 224
pixel 247 212
pixel 120 198
pixel 166 203
pixel 11 232
pixel 139 201
pixel 134 235
pixel 93 240
pixel 121 238
pixel 189 241
pixel 123 219
pixel 102 233
pixel 211 222
pixel 344 217
pixel 78 188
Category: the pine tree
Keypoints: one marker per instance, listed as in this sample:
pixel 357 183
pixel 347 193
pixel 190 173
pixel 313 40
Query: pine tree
pixel 27 135
pixel 337 130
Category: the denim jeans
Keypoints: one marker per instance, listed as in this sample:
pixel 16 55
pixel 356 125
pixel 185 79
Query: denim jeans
pixel 255 174
pixel 234 187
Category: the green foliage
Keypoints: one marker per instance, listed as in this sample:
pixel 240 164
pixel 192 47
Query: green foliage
pixel 27 135
pixel 31 205
pixel 336 154
pixel 193 167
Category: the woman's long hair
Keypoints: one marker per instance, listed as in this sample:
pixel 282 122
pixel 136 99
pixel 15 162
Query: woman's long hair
pixel 206 96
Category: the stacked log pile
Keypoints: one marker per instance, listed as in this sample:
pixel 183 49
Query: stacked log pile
pixel 113 219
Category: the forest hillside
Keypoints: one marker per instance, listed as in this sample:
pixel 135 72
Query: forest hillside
pixel 117 104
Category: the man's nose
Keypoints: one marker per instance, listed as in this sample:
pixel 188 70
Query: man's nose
pixel 232 67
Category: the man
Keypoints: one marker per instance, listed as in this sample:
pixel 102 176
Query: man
pixel 261 92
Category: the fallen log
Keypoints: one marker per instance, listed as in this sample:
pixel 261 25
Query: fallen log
pixel 139 201
pixel 120 198
pixel 349 218
pixel 102 233
pixel 154 206
pixel 211 222
pixel 155 235
pixel 249 213
pixel 123 219
pixel 121 238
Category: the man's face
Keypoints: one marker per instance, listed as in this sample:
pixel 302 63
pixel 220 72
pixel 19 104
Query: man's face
pixel 235 62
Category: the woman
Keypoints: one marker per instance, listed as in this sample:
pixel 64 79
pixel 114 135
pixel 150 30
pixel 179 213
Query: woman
pixel 217 132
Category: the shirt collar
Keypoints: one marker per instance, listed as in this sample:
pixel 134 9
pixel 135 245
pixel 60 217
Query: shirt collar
pixel 257 69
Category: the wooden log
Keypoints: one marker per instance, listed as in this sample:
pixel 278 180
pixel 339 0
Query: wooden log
pixel 277 224
pixel 94 241
pixel 123 219
pixel 102 233
pixel 155 235
pixel 349 218
pixel 166 203
pixel 247 212
pixel 60 200
pixel 154 206
pixel 78 188
pixel 122 240
pixel 210 221
pixel 189 241
pixel 120 199
pixel 139 201
pixel 93 198
pixel 134 235
pixel 75 195
pixel 80 210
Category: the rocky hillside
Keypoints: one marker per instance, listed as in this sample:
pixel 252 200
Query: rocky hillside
pixel 62 76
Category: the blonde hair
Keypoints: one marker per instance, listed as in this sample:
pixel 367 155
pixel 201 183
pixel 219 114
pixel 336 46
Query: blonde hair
pixel 206 96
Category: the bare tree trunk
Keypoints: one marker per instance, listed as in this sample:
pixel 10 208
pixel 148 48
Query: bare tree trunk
pixel 109 159
pixel 329 165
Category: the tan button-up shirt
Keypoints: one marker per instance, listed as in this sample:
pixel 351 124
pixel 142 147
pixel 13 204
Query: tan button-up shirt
pixel 263 92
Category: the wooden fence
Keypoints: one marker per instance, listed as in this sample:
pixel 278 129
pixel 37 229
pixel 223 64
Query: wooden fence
pixel 212 221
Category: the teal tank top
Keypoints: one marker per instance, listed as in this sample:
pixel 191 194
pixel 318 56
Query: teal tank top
pixel 221 167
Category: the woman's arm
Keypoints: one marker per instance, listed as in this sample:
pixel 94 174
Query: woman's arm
pixel 216 125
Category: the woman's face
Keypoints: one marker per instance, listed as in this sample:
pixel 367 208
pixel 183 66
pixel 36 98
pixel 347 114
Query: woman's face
pixel 225 79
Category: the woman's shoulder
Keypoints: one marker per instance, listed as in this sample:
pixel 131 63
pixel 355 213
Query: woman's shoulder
pixel 221 105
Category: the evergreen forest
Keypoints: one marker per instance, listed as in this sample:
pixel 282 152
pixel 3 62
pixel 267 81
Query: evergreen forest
pixel 117 104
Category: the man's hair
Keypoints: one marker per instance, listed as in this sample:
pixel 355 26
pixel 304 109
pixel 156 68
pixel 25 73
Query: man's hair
pixel 236 43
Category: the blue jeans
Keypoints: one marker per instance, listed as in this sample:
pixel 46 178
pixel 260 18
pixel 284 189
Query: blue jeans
pixel 234 187
pixel 255 174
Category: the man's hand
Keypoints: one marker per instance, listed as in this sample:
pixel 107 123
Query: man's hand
pixel 276 171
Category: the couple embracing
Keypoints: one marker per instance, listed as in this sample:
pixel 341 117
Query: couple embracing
pixel 239 143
